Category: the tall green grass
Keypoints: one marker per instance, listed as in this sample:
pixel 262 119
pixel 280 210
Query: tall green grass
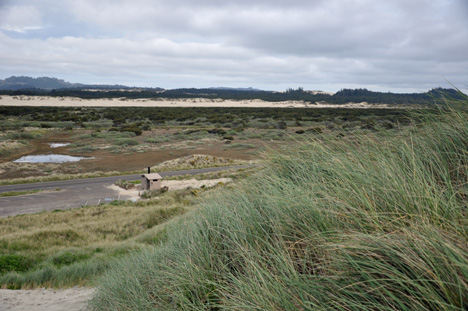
pixel 361 224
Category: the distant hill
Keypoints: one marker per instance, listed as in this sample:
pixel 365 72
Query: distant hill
pixel 45 83
pixel 56 87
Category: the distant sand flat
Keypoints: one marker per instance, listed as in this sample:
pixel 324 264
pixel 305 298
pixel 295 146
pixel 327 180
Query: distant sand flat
pixel 42 101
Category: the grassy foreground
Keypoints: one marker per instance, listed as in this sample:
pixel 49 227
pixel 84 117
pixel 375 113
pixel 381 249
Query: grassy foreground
pixel 363 224
pixel 72 247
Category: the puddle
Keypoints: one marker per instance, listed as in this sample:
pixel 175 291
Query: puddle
pixel 50 158
pixel 57 145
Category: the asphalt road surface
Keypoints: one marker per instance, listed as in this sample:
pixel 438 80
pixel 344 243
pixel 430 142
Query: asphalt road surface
pixel 68 194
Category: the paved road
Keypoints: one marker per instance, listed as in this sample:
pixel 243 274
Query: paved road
pixel 77 192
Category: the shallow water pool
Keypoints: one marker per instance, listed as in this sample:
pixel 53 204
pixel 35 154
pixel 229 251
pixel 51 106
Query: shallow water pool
pixel 50 158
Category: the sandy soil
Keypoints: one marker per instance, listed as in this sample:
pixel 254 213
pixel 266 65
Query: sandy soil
pixel 195 102
pixel 73 299
pixel 172 185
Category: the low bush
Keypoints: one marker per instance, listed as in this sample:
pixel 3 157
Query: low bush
pixel 218 131
pixel 240 146
pixel 126 142
pixel 315 130
pixel 21 135
pixel 148 194
pixel 13 262
pixel 124 184
pixel 67 258
pixel 157 139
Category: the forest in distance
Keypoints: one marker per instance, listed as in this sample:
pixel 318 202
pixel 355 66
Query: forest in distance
pixel 341 97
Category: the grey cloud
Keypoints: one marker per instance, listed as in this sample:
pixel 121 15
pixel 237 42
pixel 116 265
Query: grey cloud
pixel 397 43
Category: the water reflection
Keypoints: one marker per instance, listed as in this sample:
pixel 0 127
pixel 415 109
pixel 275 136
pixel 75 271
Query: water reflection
pixel 50 158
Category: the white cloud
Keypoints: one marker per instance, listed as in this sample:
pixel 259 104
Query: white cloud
pixel 20 18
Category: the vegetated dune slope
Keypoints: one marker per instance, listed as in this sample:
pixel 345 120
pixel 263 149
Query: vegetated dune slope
pixel 362 224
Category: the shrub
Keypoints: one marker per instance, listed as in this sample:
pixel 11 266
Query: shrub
pixel 218 131
pixel 148 194
pixel 157 139
pixel 84 149
pixel 67 258
pixel 315 130
pixel 126 142
pixel 124 184
pixel 239 146
pixel 21 135
pixel 388 125
pixel 14 262
pixel 132 128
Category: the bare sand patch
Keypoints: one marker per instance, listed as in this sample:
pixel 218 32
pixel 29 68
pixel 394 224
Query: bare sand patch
pixel 134 193
pixel 73 299
pixel 37 101
pixel 192 183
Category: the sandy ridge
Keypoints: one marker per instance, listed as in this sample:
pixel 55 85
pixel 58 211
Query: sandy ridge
pixel 36 101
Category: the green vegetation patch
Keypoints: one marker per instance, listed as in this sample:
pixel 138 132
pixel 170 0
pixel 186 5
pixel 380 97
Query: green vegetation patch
pixel 240 146
pixel 126 142
pixel 12 262
pixel 67 258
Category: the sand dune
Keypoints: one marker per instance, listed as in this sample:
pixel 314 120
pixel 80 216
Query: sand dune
pixel 23 100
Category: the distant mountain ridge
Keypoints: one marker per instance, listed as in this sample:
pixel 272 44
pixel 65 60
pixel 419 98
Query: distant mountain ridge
pixel 47 83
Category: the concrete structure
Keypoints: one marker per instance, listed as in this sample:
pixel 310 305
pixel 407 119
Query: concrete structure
pixel 151 181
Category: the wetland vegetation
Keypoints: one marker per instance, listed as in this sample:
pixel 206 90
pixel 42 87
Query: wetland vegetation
pixel 130 139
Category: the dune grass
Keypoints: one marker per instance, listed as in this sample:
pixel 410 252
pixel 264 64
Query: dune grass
pixel 368 223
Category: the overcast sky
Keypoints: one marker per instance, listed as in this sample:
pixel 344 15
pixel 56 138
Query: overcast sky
pixel 384 45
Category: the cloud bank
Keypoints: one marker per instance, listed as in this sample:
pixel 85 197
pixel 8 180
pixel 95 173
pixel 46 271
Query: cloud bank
pixel 395 45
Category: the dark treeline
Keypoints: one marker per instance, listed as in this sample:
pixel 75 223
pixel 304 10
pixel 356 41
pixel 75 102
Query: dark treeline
pixel 341 97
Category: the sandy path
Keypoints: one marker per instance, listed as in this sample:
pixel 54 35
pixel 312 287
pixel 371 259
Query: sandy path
pixel 73 299
pixel 37 101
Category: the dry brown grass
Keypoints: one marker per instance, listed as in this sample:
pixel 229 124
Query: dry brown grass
pixel 103 225
pixel 93 233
